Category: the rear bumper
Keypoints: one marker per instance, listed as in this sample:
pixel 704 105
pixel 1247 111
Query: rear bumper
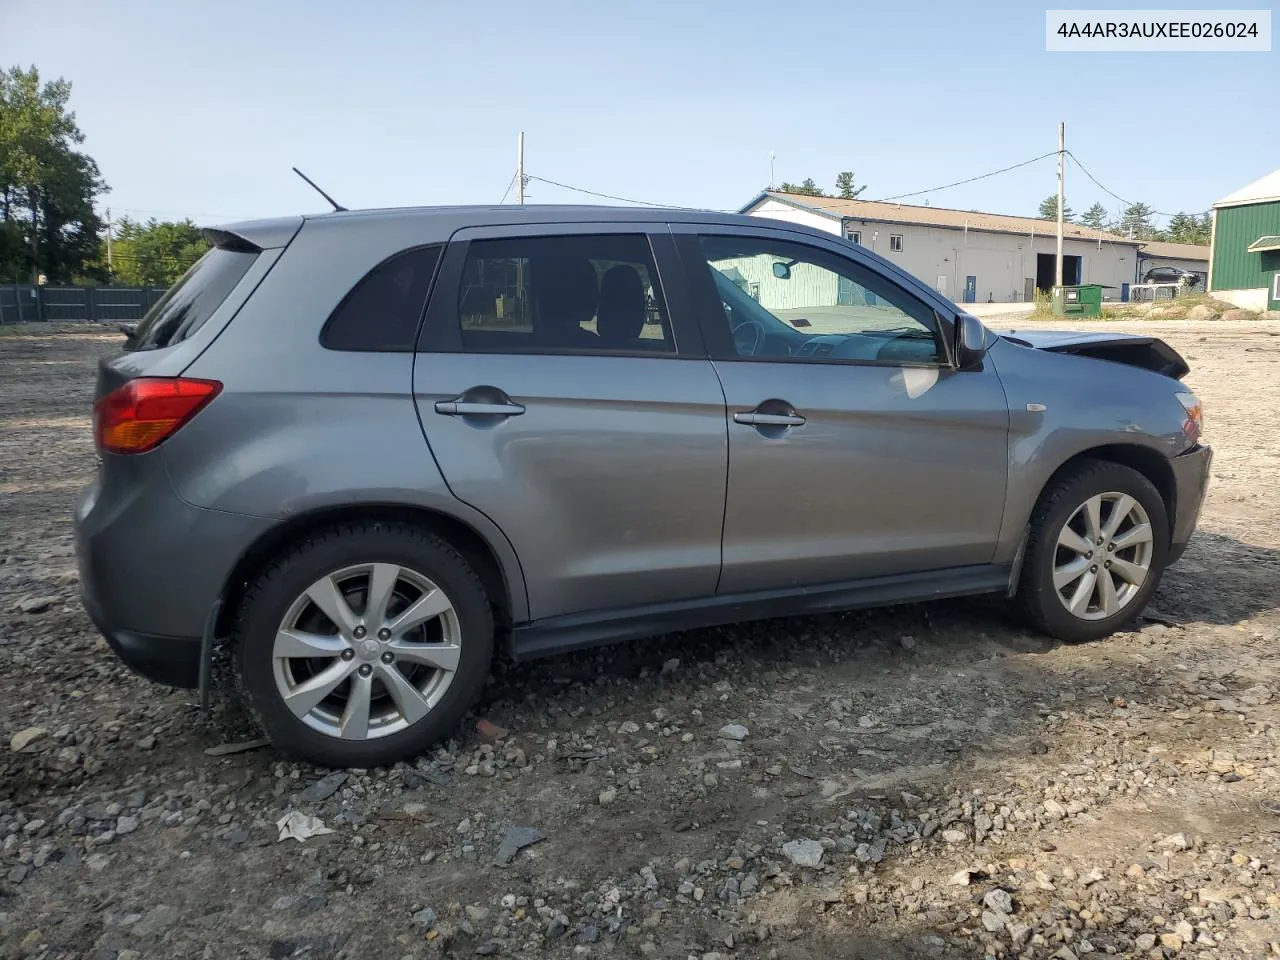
pixel 1191 482
pixel 173 661
pixel 152 566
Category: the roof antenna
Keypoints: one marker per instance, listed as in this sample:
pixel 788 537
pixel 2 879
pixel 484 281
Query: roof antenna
pixel 336 206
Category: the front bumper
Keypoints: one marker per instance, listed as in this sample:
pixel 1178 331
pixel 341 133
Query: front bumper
pixel 1190 482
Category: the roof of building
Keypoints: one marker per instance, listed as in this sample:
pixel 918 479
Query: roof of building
pixel 1265 244
pixel 889 212
pixel 1174 251
pixel 1260 191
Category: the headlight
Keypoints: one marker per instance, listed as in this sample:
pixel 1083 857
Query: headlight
pixel 1193 426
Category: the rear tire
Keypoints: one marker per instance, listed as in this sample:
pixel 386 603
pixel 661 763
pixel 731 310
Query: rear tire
pixel 407 661
pixel 1101 522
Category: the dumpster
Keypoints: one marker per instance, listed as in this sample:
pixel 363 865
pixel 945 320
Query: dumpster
pixel 1082 300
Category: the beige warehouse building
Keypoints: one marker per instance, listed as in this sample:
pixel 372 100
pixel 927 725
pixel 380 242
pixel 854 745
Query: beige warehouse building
pixel 971 256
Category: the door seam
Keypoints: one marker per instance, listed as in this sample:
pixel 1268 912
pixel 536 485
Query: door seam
pixel 724 512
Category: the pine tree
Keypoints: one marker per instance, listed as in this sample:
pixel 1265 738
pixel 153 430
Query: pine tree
pixel 1049 209
pixel 1095 217
pixel 845 188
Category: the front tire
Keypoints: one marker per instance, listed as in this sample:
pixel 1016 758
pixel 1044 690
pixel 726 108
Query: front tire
pixel 364 644
pixel 1098 544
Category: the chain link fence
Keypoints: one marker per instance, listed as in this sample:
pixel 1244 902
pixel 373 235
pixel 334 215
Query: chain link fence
pixel 25 303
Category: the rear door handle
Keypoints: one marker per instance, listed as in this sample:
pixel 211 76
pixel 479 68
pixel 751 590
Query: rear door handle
pixel 463 408
pixel 769 419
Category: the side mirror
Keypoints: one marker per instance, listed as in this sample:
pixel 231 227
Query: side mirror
pixel 971 342
pixel 782 271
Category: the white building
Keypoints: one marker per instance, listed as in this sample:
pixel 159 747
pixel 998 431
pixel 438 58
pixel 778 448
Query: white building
pixel 965 255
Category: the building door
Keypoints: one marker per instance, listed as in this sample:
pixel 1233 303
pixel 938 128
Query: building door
pixel 1046 264
pixel 970 289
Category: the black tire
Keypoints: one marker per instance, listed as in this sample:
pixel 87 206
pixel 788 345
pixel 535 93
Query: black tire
pixel 271 594
pixel 1037 597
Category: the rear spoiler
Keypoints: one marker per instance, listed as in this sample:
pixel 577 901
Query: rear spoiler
pixel 254 236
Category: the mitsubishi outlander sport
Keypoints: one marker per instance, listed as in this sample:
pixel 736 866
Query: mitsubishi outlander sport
pixel 363 449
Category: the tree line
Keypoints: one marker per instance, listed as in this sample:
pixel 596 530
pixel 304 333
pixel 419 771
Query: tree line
pixel 1136 220
pixel 49 187
pixel 845 189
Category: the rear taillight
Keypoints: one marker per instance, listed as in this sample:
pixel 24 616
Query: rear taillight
pixel 141 414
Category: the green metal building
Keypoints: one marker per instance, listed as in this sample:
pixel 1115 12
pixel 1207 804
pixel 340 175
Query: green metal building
pixel 1244 261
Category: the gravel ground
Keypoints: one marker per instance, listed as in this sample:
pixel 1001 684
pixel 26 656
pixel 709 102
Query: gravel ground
pixel 928 781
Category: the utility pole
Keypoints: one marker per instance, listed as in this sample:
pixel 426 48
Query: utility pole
pixel 520 169
pixel 1062 149
pixel 110 265
pixel 35 236
pixel 771 158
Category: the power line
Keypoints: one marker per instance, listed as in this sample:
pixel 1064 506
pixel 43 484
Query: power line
pixel 607 196
pixel 1128 203
pixel 960 183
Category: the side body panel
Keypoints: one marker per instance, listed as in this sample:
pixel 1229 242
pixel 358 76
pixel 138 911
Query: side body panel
pixel 1088 403
pixel 896 468
pixel 610 484
pixel 299 428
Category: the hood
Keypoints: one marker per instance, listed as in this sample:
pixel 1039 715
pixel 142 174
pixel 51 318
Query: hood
pixel 1136 350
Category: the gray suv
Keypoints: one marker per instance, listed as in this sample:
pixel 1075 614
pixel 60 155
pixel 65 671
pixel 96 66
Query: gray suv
pixel 363 449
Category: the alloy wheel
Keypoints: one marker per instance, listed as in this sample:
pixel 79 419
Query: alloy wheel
pixel 366 651
pixel 1103 556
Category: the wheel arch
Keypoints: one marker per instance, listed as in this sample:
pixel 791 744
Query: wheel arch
pixel 1150 463
pixel 506 597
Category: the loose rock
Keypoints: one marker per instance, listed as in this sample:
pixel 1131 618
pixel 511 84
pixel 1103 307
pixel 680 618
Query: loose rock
pixel 733 731
pixel 803 853
pixel 515 840
pixel 25 738
pixel 324 788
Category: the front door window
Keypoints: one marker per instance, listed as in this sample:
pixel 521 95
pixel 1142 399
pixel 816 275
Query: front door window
pixel 790 300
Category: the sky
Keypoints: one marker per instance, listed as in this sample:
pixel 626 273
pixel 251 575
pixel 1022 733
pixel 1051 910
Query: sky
pixel 200 109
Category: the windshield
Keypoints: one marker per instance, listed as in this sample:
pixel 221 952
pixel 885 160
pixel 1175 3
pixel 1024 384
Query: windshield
pixel 192 300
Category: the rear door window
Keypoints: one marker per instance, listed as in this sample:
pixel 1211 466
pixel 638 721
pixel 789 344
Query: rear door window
pixel 190 302
pixel 563 294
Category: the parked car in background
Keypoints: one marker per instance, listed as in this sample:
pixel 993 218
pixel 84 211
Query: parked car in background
pixel 363 449
pixel 1171 275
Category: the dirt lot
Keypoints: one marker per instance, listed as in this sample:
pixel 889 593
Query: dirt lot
pixel 973 789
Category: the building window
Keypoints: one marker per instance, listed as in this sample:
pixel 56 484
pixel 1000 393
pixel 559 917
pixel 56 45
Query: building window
pixel 1275 287
pixel 895 243
pixel 854 235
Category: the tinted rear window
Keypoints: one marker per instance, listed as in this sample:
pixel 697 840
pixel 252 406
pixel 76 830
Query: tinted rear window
pixel 192 300
pixel 382 311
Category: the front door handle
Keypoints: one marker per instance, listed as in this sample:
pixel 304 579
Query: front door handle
pixel 463 408
pixel 753 419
